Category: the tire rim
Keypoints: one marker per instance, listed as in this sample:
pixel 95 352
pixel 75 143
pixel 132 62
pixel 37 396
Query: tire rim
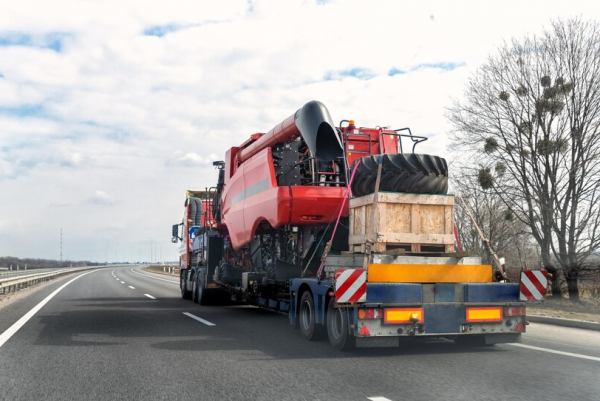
pixel 306 315
pixel 336 323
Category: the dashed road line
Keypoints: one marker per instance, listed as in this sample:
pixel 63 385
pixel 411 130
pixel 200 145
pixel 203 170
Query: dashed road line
pixel 552 351
pixel 378 399
pixel 133 288
pixel 149 296
pixel 206 322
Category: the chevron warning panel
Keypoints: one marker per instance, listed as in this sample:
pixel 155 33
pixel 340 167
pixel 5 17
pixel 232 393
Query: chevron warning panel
pixel 351 285
pixel 533 285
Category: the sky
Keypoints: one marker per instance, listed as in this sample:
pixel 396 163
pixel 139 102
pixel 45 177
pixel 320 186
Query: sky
pixel 110 110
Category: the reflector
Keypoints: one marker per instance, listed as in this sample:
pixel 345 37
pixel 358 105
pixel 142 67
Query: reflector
pixel 489 314
pixel 402 315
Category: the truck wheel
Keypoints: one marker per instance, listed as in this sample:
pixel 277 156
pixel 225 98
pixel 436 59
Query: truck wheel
pixel 308 327
pixel 337 328
pixel 185 294
pixel 195 288
pixel 201 292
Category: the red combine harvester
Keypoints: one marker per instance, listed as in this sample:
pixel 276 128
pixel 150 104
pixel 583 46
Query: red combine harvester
pixel 345 232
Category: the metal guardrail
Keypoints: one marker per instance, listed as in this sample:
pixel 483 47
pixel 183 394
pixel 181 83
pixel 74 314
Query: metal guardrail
pixel 18 282
pixel 23 272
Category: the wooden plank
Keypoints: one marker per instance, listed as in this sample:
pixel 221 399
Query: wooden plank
pixel 411 238
pixel 394 252
pixel 449 220
pixel 418 273
pixel 415 219
pixel 392 197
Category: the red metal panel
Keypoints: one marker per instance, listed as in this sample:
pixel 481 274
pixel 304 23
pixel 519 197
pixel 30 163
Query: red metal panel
pixel 316 201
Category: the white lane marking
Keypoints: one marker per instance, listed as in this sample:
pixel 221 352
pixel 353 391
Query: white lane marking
pixel 122 282
pixel 4 337
pixel 133 288
pixel 155 278
pixel 378 399
pixel 206 322
pixel 149 296
pixel 552 351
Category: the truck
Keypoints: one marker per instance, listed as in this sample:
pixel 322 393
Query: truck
pixel 350 233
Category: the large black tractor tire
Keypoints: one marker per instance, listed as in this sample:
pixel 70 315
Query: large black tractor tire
pixel 401 172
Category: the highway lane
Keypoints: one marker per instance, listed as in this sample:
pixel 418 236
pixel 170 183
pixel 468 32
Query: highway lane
pixel 101 339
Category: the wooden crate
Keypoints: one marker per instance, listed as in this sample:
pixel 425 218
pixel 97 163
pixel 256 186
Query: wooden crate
pixel 414 222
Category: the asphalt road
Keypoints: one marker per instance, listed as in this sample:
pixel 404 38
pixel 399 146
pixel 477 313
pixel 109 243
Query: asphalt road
pixel 103 337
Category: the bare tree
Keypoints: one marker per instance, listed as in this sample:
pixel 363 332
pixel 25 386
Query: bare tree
pixel 530 117
pixel 509 237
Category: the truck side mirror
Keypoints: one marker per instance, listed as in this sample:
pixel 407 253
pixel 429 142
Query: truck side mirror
pixel 175 233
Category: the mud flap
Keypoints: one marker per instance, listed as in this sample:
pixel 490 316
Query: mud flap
pixel 377 342
pixel 491 339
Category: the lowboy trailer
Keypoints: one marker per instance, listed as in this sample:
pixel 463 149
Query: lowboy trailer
pixel 348 234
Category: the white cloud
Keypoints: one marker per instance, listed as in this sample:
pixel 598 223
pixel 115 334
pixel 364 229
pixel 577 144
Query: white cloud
pixel 100 198
pixel 190 159
pixel 142 96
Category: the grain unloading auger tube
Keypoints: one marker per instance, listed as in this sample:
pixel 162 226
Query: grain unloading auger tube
pixel 313 122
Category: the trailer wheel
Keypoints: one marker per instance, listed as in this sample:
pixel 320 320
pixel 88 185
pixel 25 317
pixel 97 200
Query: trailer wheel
pixel 337 328
pixel 308 326
pixel 185 293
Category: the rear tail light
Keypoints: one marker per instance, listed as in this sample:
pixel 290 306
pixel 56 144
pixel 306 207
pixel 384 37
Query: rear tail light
pixel 514 311
pixel 370 313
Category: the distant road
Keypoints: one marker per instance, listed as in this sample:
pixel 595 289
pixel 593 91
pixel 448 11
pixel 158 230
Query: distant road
pixel 126 334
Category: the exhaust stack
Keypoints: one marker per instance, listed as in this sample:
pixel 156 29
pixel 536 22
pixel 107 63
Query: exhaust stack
pixel 313 122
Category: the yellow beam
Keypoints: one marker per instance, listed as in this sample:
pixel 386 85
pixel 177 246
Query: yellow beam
pixel 384 273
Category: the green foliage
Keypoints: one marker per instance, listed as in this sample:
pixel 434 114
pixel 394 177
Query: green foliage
pixel 491 144
pixel 522 91
pixel 525 128
pixel 485 178
pixel 500 169
pixel 546 81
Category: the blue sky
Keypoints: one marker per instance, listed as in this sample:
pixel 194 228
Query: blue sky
pixel 111 110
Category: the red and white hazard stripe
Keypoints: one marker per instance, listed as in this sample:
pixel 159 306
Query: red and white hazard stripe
pixel 351 285
pixel 533 285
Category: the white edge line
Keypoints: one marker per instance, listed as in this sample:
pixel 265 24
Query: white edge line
pixel 133 288
pixel 4 337
pixel 552 351
pixel 156 278
pixel 149 296
pixel 206 322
